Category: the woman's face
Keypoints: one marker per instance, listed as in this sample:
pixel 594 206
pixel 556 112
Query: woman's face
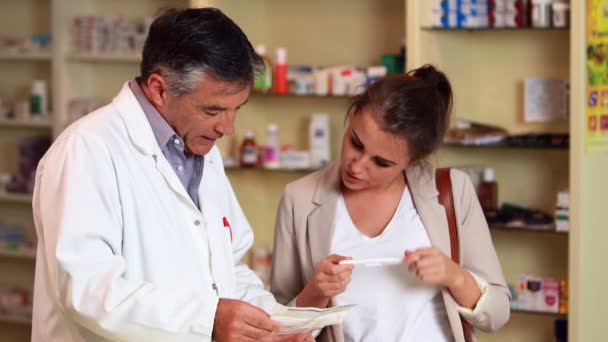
pixel 371 157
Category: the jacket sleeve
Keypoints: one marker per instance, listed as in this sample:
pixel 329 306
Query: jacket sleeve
pixel 286 278
pixel 249 287
pixel 78 216
pixel 479 257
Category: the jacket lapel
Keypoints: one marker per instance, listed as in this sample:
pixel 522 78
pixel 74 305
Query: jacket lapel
pixel 421 182
pixel 320 222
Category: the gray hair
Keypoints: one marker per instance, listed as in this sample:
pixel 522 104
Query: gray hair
pixel 184 81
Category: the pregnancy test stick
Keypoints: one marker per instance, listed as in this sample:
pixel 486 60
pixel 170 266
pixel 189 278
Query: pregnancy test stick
pixel 373 262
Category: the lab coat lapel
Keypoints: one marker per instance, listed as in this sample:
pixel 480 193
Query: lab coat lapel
pixel 165 169
pixel 142 137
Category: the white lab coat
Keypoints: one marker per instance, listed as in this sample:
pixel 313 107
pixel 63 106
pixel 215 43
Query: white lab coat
pixel 123 252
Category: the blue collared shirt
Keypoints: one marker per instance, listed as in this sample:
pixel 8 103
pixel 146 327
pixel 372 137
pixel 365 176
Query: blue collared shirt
pixel 187 166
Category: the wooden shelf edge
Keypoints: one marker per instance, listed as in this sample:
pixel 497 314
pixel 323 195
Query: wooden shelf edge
pixel 526 229
pixel 36 56
pixel 18 254
pixel 541 313
pixel 30 123
pixel 15 319
pixel 104 58
pixel 8 197
pixel 261 169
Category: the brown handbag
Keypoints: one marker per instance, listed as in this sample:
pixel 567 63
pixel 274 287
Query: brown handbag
pixel 446 198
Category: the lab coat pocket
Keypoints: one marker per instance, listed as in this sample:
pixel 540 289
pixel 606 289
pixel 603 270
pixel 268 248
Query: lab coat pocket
pixel 228 234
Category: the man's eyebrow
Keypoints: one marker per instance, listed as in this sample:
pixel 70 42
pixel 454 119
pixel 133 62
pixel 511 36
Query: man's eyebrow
pixel 219 108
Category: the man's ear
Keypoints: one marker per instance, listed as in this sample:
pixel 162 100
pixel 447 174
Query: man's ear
pixel 157 90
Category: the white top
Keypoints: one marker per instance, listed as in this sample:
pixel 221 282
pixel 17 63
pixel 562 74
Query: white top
pixel 392 304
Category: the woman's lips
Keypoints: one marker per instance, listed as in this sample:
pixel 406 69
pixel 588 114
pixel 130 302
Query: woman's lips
pixel 352 179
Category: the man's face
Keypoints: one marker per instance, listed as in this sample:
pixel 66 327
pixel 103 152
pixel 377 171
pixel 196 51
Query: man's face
pixel 206 114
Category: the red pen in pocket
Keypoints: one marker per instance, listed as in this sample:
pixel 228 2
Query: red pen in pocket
pixel 227 225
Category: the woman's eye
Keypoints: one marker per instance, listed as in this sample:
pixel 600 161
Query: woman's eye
pixel 381 163
pixel 356 144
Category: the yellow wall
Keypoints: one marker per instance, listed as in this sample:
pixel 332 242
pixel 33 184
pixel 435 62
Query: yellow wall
pixel 588 271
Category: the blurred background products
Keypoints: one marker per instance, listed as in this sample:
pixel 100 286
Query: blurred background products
pixel 474 133
pixel 109 34
pixel 31 150
pixel 540 294
pixel 37 43
pixel 263 80
pixel 472 14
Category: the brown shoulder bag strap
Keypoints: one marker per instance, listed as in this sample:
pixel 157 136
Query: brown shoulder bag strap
pixel 446 198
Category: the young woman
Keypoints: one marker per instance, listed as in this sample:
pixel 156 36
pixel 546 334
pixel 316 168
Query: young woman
pixel 380 200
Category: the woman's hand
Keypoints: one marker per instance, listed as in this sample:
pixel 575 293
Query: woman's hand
pixel 330 279
pixel 433 267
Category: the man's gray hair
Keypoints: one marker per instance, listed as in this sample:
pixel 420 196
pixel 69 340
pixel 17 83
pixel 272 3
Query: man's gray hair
pixel 181 82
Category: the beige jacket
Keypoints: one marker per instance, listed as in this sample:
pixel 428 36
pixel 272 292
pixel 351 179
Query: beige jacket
pixel 305 225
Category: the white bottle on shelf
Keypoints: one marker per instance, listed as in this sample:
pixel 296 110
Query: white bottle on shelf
pixel 271 147
pixel 320 144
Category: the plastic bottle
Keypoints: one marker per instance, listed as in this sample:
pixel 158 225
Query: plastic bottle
pixel 249 150
pixel 272 147
pixel 263 81
pixel 280 72
pixel 320 146
pixel 39 101
pixel 488 191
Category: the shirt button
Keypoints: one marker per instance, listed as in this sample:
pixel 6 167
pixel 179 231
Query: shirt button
pixel 197 223
pixel 180 168
pixel 177 142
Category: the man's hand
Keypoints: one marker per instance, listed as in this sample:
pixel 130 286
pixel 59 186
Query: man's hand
pixel 236 320
pixel 305 337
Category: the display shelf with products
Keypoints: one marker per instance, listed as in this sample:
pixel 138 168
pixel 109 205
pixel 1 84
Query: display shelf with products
pixel 494 29
pixel 531 160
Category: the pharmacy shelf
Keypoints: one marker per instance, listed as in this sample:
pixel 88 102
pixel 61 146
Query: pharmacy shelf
pixel 30 123
pixel 261 169
pixel 21 253
pixel 33 56
pixel 6 197
pixel 497 29
pixel 540 313
pixel 104 58
pixel 274 95
pixel 550 230
pixel 15 319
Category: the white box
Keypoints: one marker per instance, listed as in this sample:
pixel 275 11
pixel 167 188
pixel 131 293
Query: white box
pixel 545 100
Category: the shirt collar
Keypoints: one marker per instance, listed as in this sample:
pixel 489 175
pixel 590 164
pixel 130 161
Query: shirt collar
pixel 162 131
